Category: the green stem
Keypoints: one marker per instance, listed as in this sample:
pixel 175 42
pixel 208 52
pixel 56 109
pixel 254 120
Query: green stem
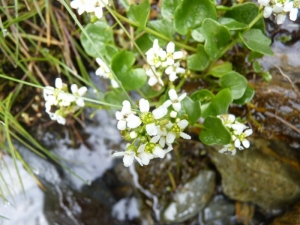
pixel 155 33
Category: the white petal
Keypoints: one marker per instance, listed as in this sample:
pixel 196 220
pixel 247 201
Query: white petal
pixel 119 115
pixel 133 134
pixel 263 2
pixel 233 152
pixel 128 159
pixel 171 137
pixel 173 95
pixel 173 77
pixel 151 129
pixel 139 160
pixel 183 124
pixel 118 154
pixel 176 106
pixel 133 121
pixel 248 132
pixel 169 70
pixel 152 81
pixel 155 139
pixel 280 18
pixel 98 12
pixel 185 136
pixel 144 105
pixel 277 8
pixel 178 55
pixel 121 125
pixel 293 14
pixel 167 103
pixel 74 88
pixel 58 83
pixel 181 97
pixel 157 151
pixel 237 143
pixel 114 83
pixel 159 112
pixel 142 148
pixel 155 46
pixel 126 107
pixel 80 102
pixel 170 47
pixel 180 70
pixel 82 91
pixel 246 143
pixel 162 142
pixel 146 157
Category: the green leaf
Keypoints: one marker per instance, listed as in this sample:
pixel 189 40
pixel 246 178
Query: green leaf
pixel 168 7
pixel 254 55
pixel 192 109
pixel 216 37
pixel 139 13
pixel 101 34
pixel 232 24
pixel 215 132
pixel 220 70
pixel 198 61
pixel 198 36
pixel 266 76
pixel 190 14
pixel 111 51
pixel 235 82
pixel 257 67
pixel 256 41
pixel 144 43
pixel 247 97
pixel 218 105
pixel 130 78
pixel 204 96
pixel 150 93
pixel 246 13
pixel 115 97
pixel 164 27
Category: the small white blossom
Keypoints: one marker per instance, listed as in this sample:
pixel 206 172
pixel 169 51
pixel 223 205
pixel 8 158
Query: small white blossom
pixel 240 140
pixel 78 92
pixel 147 117
pixel 175 130
pixel 172 55
pixel 128 156
pixel 175 100
pixel 104 71
pixel 156 55
pixel 89 6
pixel 154 76
pixel 173 70
pixel 228 149
pixel 127 118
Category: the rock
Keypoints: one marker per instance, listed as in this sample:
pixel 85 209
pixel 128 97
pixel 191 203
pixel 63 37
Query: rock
pixel 267 174
pixel 289 218
pixel 191 198
pixel 219 211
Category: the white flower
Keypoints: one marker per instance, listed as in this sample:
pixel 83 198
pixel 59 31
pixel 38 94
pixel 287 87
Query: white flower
pixel 228 149
pixel 129 156
pixel 78 92
pixel 58 117
pixel 175 130
pixel 173 70
pixel 149 151
pixel 162 110
pixel 172 55
pixel 103 70
pixel 175 100
pixel 240 140
pixel 263 2
pixel 156 55
pixel 147 117
pixel 154 76
pixel 227 119
pixel 89 6
pixel 161 138
pixel 127 118
pixel 268 11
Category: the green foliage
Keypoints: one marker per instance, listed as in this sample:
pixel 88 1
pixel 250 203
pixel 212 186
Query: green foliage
pixel 198 61
pixel 219 70
pixel 204 96
pixel 191 108
pixel 100 41
pixel 168 7
pixel 215 132
pixel 216 37
pixel 114 97
pixel 247 97
pixel 130 78
pixel 235 82
pixel 256 41
pixel 164 27
pixel 190 14
pixel 218 105
pixel 150 93
pixel 232 24
pixel 139 13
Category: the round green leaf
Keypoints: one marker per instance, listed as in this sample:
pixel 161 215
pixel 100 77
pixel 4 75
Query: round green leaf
pixel 216 36
pixel 115 97
pixel 192 109
pixel 232 24
pixel 203 96
pixel 168 7
pixel 235 82
pixel 100 34
pixel 131 79
pixel 198 61
pixel 215 132
pixel 218 105
pixel 164 27
pixel 245 13
pixel 256 41
pixel 247 97
pixel 139 13
pixel 190 14
pixel 220 70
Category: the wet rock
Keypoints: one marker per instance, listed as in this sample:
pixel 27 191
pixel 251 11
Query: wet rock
pixel 191 198
pixel 267 174
pixel 219 211
pixel 289 218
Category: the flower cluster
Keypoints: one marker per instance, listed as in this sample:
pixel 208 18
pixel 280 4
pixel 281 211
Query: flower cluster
pixel 104 71
pixel 59 103
pixel 280 8
pixel 161 61
pixel 152 132
pixel 238 131
pixel 89 6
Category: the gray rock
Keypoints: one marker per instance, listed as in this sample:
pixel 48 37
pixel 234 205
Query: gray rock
pixel 191 198
pixel 267 174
